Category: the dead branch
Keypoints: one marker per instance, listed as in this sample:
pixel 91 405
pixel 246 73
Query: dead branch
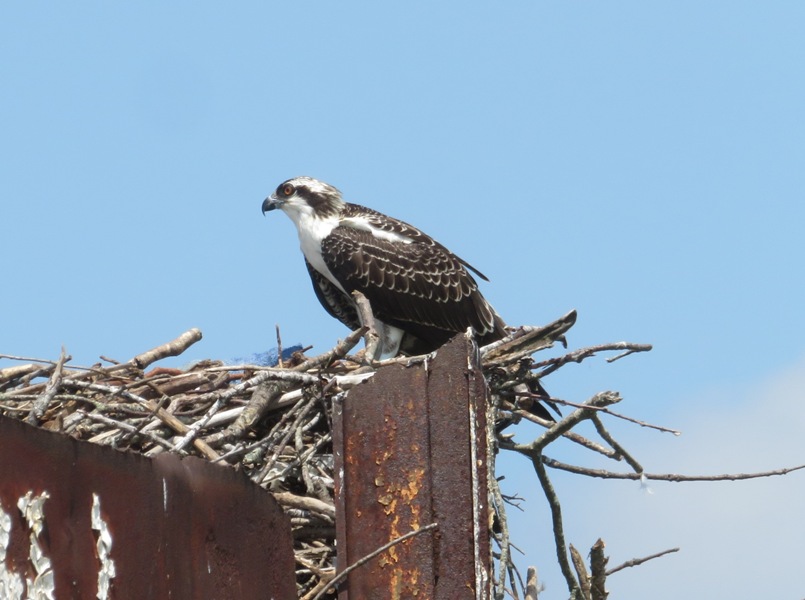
pixel 172 348
pixel 558 526
pixel 639 561
pixel 367 318
pixel 535 447
pixel 343 574
pixel 581 572
pixel 532 584
pixel 673 477
pixel 547 367
pixel 598 574
pixel 42 402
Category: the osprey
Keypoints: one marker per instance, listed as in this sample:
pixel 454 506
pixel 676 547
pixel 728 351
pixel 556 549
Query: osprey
pixel 421 294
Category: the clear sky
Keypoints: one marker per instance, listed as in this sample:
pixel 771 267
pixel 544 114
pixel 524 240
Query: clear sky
pixel 641 162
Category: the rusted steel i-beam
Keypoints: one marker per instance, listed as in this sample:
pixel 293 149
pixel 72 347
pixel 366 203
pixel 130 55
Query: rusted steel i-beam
pixel 78 520
pixel 410 450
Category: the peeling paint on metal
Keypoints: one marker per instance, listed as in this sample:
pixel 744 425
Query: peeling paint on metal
pixel 11 583
pixel 31 506
pixel 106 572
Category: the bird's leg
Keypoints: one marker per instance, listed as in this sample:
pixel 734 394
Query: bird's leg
pixel 367 318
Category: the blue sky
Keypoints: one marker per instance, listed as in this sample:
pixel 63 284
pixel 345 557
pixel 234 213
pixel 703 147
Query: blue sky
pixel 640 162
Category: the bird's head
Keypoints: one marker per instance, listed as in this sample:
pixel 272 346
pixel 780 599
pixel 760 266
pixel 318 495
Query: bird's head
pixel 304 195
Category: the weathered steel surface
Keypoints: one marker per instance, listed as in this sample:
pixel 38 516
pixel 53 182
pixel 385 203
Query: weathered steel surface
pixel 177 528
pixel 410 449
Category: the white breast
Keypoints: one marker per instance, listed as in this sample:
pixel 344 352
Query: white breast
pixel 312 230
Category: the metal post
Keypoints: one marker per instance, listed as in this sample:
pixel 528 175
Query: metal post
pixel 410 450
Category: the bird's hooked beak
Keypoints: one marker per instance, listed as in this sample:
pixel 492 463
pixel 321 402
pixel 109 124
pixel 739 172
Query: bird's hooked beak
pixel 271 203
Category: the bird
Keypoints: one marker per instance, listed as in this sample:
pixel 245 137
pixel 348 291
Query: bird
pixel 420 293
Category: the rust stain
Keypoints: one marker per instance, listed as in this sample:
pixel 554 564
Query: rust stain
pixel 210 533
pixel 412 467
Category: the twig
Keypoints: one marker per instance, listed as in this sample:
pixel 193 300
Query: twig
pixel 42 402
pixel 558 527
pixel 599 400
pixel 604 433
pixel 306 503
pixel 172 348
pixel 673 477
pixel 525 341
pixel 161 413
pixel 581 571
pixel 532 584
pixel 549 366
pixel 598 575
pixel 340 351
pixel 279 346
pixel 128 428
pixel 367 317
pixel 639 561
pixel 343 574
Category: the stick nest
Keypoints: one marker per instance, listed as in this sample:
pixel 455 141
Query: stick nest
pixel 272 423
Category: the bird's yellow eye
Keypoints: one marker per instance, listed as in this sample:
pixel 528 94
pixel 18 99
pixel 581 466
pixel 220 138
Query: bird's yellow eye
pixel 287 190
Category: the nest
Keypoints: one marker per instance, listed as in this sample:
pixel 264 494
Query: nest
pixel 272 423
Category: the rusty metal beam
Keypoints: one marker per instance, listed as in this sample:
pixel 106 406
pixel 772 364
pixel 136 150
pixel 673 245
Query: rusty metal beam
pixel 146 528
pixel 410 450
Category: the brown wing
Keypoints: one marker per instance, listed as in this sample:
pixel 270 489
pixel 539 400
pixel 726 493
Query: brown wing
pixel 420 287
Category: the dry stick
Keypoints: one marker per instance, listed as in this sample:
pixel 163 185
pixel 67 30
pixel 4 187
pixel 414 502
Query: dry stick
pixel 314 505
pixel 602 431
pixel 264 397
pixel 558 527
pixel 160 413
pixel 340 351
pixel 505 550
pixel 172 348
pixel 534 451
pixel 343 574
pixel 42 402
pixel 10 373
pixel 536 446
pixel 570 435
pixel 639 561
pixel 600 410
pixel 532 584
pixel 552 364
pixel 279 345
pixel 525 341
pixel 367 319
pixel 284 441
pixel 598 574
pixel 673 477
pixel 581 571
pixel 123 426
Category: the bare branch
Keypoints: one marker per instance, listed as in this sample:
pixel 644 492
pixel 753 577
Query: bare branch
pixel 172 348
pixel 42 402
pixel 673 477
pixel 602 431
pixel 552 364
pixel 343 574
pixel 367 319
pixel 639 561
pixel 558 526
pixel 581 571
pixel 598 575
pixel 532 584
pixel 599 400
